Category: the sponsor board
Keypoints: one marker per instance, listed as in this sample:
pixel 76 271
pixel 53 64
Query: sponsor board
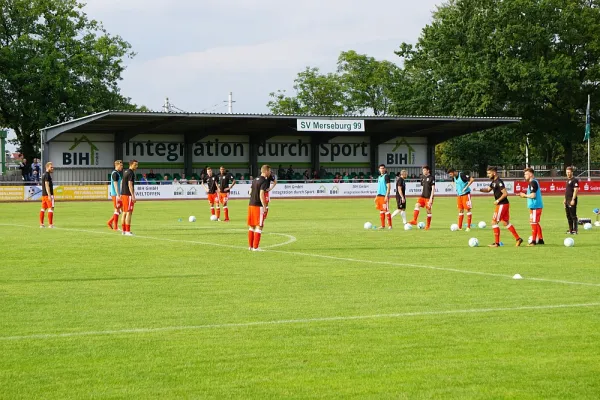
pixel 403 152
pixel 82 152
pixel 11 193
pixel 559 187
pixel 68 192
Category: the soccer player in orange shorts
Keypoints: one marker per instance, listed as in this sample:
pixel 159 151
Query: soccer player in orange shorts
pixel 502 211
pixel 128 196
pixel 257 207
pixel 226 183
pixel 115 194
pixel 462 183
pixel 210 185
pixel 426 199
pixel 47 196
pixel 382 199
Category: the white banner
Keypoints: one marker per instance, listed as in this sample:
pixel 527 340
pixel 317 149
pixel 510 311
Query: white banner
pixel 283 190
pixel 330 125
pixel 82 152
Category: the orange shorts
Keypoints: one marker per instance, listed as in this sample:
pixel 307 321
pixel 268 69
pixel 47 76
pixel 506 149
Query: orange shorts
pixel 502 213
pixel 464 202
pixel 223 197
pixel 423 202
pixel 127 203
pixel 213 198
pixel 47 202
pixel 116 202
pixel 535 214
pixel 381 204
pixel 255 216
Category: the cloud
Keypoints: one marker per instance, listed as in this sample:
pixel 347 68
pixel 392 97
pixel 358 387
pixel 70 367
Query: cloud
pixel 196 52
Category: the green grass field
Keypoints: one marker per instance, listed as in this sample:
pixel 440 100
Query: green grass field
pixel 328 310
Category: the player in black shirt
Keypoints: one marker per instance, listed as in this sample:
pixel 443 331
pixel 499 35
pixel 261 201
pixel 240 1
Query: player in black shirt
pixel 210 185
pixel 401 196
pixel 426 199
pixel 128 196
pixel 226 182
pixel 570 201
pixel 47 196
pixel 502 211
pixel 257 207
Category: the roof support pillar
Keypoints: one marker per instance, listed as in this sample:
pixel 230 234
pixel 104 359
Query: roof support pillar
pixel 431 155
pixel 315 163
pixel 188 154
pixel 254 141
pixel 374 153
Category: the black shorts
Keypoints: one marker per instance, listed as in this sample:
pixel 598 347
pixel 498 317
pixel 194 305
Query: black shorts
pixel 401 204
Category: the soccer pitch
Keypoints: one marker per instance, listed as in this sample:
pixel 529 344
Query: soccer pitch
pixel 328 310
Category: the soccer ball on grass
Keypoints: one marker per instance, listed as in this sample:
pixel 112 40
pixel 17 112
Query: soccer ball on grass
pixel 368 225
pixel 454 227
pixel 482 225
pixel 569 242
pixel 213 218
pixel 192 218
pixel 473 242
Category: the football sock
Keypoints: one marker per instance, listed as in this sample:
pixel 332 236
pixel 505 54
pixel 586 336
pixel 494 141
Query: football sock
pixel 42 212
pixel 218 212
pixel 115 220
pixel 382 218
pixel 461 217
pixel 212 210
pixel 50 216
pixel 403 215
pixel 250 237
pixel 389 219
pixel 539 232
pixel 428 220
pixel 496 233
pixel 257 234
pixel 513 231
pixel 469 219
pixel 415 215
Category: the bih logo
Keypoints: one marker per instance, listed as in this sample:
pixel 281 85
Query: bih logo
pixel 85 158
pixel 334 190
pixel 399 157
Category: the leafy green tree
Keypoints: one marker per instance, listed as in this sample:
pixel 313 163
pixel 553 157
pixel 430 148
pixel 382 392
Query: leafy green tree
pixel 316 94
pixel 368 84
pixel 537 59
pixel 55 65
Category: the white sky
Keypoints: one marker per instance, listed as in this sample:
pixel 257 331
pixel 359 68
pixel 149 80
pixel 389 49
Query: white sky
pixel 196 52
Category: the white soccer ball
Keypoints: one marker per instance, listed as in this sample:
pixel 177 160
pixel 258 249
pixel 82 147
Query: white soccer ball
pixel 597 223
pixel 192 218
pixel 421 225
pixel 482 224
pixel 530 239
pixel 407 227
pixel 213 218
pixel 473 242
pixel 368 225
pixel 587 226
pixel 454 227
pixel 569 242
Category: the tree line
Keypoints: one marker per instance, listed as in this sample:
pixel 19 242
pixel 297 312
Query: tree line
pixel 535 59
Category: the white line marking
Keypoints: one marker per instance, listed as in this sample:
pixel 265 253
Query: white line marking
pixel 292 321
pixel 291 239
pixel 354 260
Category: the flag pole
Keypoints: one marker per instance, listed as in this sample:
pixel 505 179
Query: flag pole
pixel 588 139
